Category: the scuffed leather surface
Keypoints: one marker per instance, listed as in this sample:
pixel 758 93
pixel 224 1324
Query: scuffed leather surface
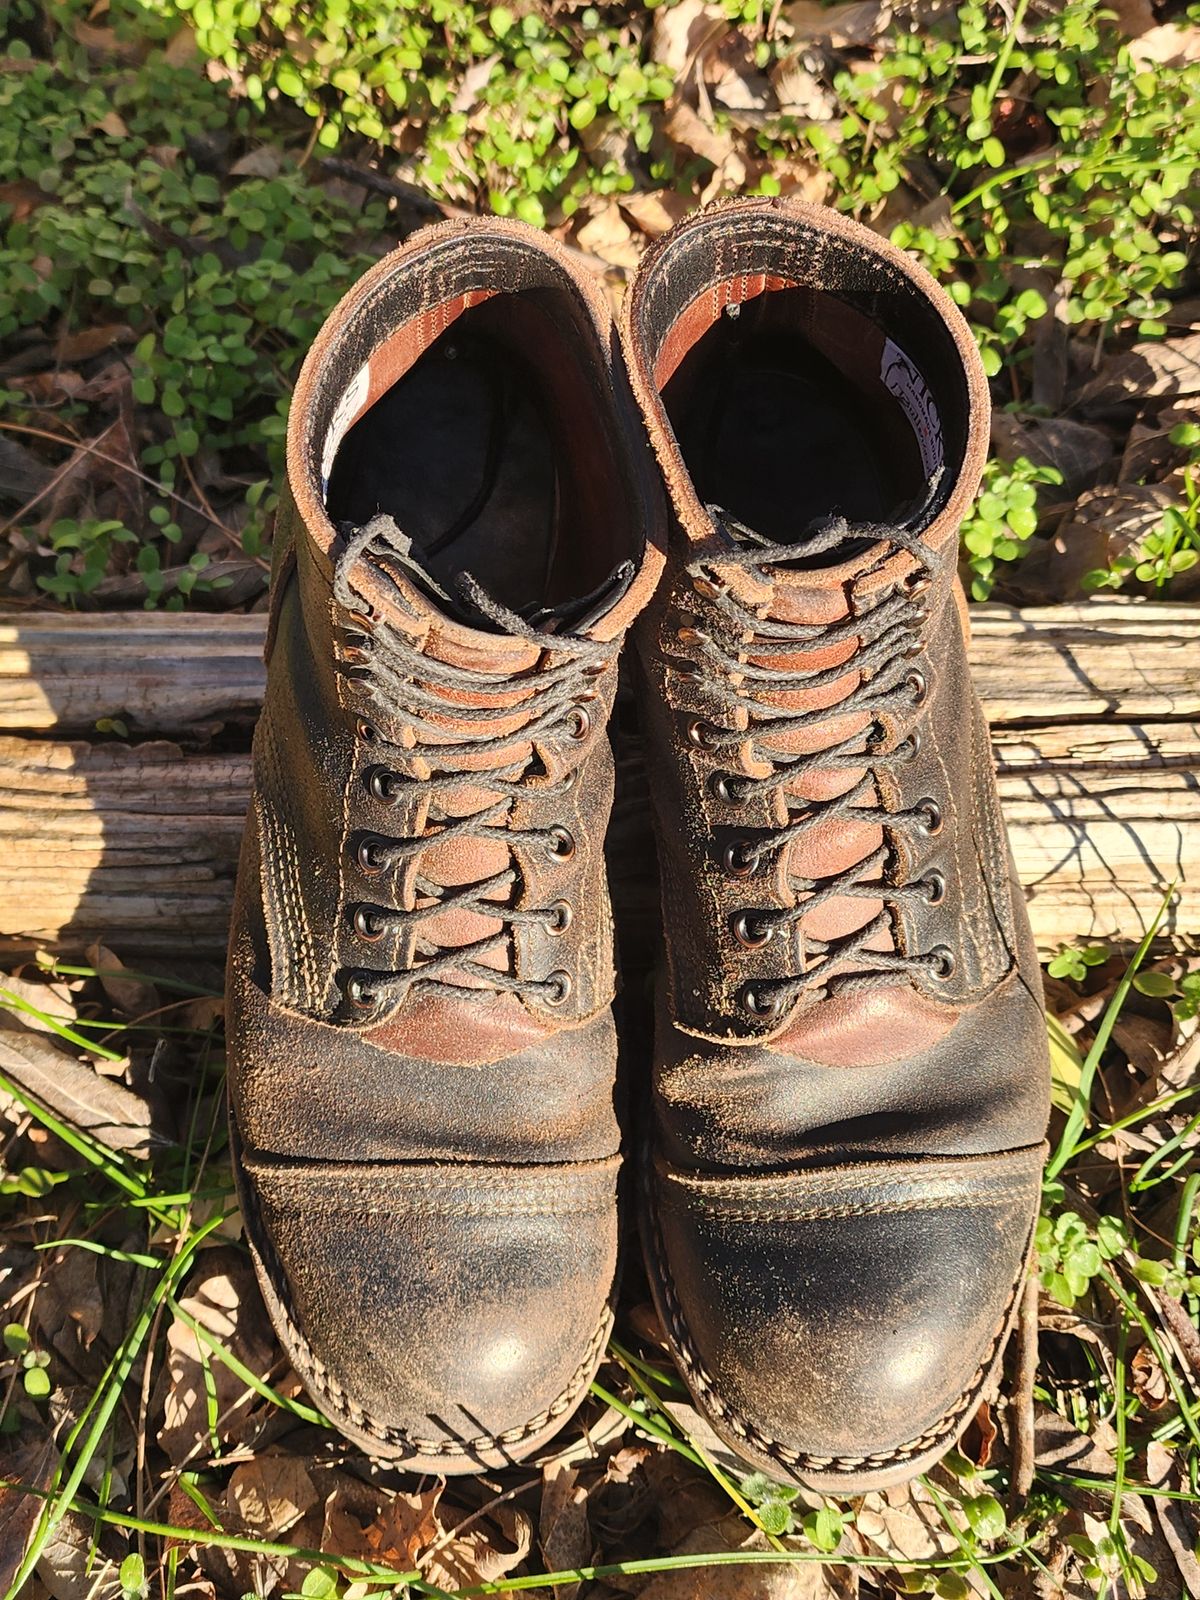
pixel 429 1192
pixel 843 1313
pixel 836 1236
pixel 446 1306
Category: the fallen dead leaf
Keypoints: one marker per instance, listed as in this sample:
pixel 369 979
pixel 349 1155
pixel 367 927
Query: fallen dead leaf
pixel 681 31
pixel 852 26
pixel 904 1523
pixel 271 1493
pixel 32 1462
pixel 1167 45
pixel 221 1296
pixel 609 236
pixel 1144 372
pixel 656 210
pixel 136 997
pixel 564 1534
pixel 264 161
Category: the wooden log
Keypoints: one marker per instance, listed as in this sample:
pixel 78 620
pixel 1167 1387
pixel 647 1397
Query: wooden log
pixel 1096 725
pixel 156 672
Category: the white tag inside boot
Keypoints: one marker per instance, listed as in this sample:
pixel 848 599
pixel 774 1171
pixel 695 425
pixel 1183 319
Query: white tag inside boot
pixel 901 379
pixel 354 397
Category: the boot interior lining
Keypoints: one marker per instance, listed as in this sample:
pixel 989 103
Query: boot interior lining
pixel 785 417
pixel 492 454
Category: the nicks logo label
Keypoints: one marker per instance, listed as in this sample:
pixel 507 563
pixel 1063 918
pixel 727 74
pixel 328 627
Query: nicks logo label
pixel 901 378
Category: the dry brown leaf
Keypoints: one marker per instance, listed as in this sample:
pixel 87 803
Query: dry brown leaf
pixel 609 236
pixel 72 1568
pixel 108 1111
pixel 680 33
pixel 31 1461
pixel 688 132
pixel 1082 452
pixel 89 342
pixel 733 79
pixel 1167 45
pixel 264 161
pixel 270 1494
pixel 1149 454
pixel 1058 1444
pixel 654 211
pixel 1145 372
pixel 801 93
pixel 486 1550
pixel 807 1580
pixel 904 1523
pixel 136 997
pixel 222 1297
pixel 851 26
pixel 1177 1520
pixel 564 1534
pixel 1149 1380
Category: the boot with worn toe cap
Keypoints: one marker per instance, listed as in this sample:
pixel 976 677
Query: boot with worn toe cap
pixel 851 1074
pixel 422 1051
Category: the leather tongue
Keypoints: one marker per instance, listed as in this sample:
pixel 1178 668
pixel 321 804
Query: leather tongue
pixel 471 604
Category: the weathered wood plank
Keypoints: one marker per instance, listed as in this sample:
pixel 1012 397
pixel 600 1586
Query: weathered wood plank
pixel 1096 725
pixel 157 672
pixel 167 673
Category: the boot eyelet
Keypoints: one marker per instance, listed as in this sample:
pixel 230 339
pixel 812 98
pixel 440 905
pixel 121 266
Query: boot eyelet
pixel 367 856
pixel 910 748
pixel 579 722
pixel 739 859
pixel 597 669
pixel 688 671
pixel 751 930
pixel 367 732
pixel 933 886
pixel 726 788
pixel 561 843
pixel 380 784
pixel 559 989
pixel 699 733
pixel 943 962
pixel 367 924
pixel 759 1004
pixel 568 781
pixel 914 648
pixel 559 919
pixel 359 996
pixel 921 584
pixel 919 684
pixel 931 814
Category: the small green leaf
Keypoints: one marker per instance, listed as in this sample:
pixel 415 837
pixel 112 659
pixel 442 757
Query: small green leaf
pixel 501 20
pixel 16 1339
pixel 1158 985
pixel 37 1383
pixel 319 1584
pixel 1155 1273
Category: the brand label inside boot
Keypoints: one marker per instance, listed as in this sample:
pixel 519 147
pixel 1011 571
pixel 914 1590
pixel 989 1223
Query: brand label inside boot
pixel 351 403
pixel 903 380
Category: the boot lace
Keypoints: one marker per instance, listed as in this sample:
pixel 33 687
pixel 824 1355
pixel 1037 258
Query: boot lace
pixel 421 693
pixel 888 641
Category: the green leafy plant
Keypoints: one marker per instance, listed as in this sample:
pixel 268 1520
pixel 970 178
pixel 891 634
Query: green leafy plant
pixel 1003 519
pixel 1073 961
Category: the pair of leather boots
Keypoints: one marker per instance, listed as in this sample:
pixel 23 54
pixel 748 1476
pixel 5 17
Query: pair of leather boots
pixel 849 1082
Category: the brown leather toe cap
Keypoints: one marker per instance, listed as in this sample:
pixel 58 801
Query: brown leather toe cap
pixel 446 1316
pixel 838 1324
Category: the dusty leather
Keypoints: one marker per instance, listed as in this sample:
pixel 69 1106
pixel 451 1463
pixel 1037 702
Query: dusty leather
pixel 842 1188
pixel 428 1169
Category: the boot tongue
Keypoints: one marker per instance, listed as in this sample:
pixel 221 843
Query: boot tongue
pixel 469 603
